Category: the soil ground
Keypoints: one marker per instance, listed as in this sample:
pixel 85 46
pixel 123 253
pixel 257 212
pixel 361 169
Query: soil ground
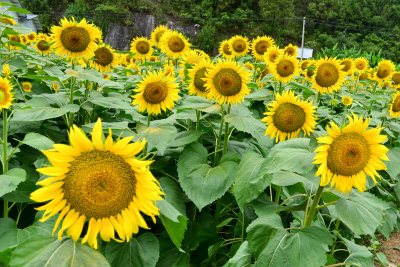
pixel 391 248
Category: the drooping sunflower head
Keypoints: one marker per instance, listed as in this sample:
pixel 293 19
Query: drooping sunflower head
pixel 98 182
pixel 141 47
pixel 248 66
pixel 347 100
pixel 347 155
pixel 197 78
pixel 75 39
pixel 6 96
pixel 266 70
pixel 27 86
pixel 396 79
pixel 284 68
pixel 347 65
pixel 288 115
pixel 239 45
pixel 226 82
pixel 225 49
pixel 174 44
pixel 361 64
pixel 260 45
pixel 7 20
pixel 104 58
pixel 168 70
pixel 384 71
pixel 272 54
pixel 155 93
pixel 291 50
pixel 6 70
pixel 394 108
pixel 328 76
pixel 192 57
pixel 31 37
pixel 158 33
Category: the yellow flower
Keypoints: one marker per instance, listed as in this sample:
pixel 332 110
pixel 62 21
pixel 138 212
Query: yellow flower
pixel 288 115
pixel 8 21
pixel 347 100
pixel 6 96
pixel 193 57
pixel 260 45
pixel 197 78
pixel 141 47
pixel 266 70
pixel 361 64
pixel 226 82
pixel 272 54
pixel 158 33
pixel 6 70
pixel 347 66
pixel 168 70
pixel 55 87
pixel 174 44
pixel 395 106
pixel 365 75
pixel 347 155
pixel 384 71
pixel 105 58
pixel 155 93
pixel 75 39
pixel 248 66
pixel 31 37
pixel 291 50
pixel 225 49
pixel 239 45
pixel 284 68
pixel 42 46
pixel 27 86
pixel 396 79
pixel 328 77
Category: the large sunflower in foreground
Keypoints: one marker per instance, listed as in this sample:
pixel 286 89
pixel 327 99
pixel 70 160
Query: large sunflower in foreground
pixel 226 82
pixel 284 68
pixel 225 49
pixel 197 78
pixel 384 71
pixel 328 76
pixel 260 45
pixel 347 155
pixel 287 115
pixel 99 182
pixel 395 106
pixel 239 45
pixel 158 33
pixel 174 44
pixel 141 47
pixel 155 93
pixel 75 39
pixel 6 96
pixel 104 58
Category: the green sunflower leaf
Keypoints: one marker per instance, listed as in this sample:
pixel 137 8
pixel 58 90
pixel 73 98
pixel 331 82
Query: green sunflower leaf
pixel 159 137
pixel 43 113
pixel 242 257
pixel 10 181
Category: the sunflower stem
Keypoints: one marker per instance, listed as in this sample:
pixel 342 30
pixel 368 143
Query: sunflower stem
pixel 280 88
pixel 278 194
pixel 5 156
pixel 71 97
pixel 318 98
pixel 197 119
pixel 226 135
pixel 374 88
pixel 148 125
pixel 219 136
pixel 313 208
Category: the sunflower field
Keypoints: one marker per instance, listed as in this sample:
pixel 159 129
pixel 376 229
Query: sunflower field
pixel 166 156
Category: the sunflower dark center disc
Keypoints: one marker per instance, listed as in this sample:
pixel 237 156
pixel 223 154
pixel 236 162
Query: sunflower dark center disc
pixel 198 79
pixel 383 72
pixel 143 47
pixel 327 75
pixel 31 37
pixel 363 76
pixel 310 72
pixel 226 49
pixel 396 78
pixel 396 104
pixel 285 68
pixel 75 39
pixel 239 46
pixel 227 82
pixel 99 184
pixel 261 47
pixel 155 92
pixel 176 44
pixel 41 45
pixel 289 117
pixel 103 56
pixel 348 154
pixel 360 65
pixel 346 65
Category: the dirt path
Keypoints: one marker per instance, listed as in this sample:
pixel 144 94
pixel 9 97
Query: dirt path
pixel 391 248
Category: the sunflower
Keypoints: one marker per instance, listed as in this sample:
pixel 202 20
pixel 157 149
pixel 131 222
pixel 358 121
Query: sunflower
pixel 174 44
pixel 225 49
pixel 75 40
pixel 6 96
pixel 347 155
pixel 361 64
pixel 287 115
pixel 153 59
pixel 168 70
pixel 310 71
pixel 99 182
pixel 42 45
pixel 31 37
pixel 239 45
pixel 141 46
pixel 23 39
pixel 27 86
pixel 158 33
pixel 55 87
pixel 14 38
pixel 266 70
pixel 105 58
pixel 260 45
pixel 304 64
pixel 197 78
pixel 365 75
pixel 272 54
pixel 155 93
pixel 192 57
pixel 6 70
pixel 394 108
pixel 347 100
pixel 347 66
pixel 201 54
pixel 291 50
pixel 226 82
pixel 384 71
pixel 284 68
pixel 248 66
pixel 328 77
pixel 396 79
pixel 8 21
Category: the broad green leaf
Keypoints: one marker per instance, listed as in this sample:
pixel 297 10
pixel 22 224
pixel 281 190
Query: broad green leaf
pixel 193 102
pixel 186 137
pixel 142 251
pixel 272 245
pixel 114 100
pixel 10 180
pixel 18 10
pixel 43 113
pixel 49 251
pixel 362 213
pixel 8 234
pixel 393 165
pixel 202 183
pixel 391 217
pixel 242 257
pixel 359 255
pixel 251 178
pixel 159 137
pixel 38 141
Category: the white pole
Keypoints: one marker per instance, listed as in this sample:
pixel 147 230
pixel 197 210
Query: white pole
pixel 302 39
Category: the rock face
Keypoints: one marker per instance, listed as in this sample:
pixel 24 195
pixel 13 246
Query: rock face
pixel 119 36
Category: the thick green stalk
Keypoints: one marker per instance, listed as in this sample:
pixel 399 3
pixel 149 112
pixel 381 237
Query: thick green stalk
pixel 219 137
pixel 71 98
pixel 5 154
pixel 197 119
pixel 226 135
pixel 148 125
pixel 314 205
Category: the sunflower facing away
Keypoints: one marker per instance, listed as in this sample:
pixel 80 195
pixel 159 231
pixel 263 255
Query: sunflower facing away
pixel 384 71
pixel 361 64
pixel 347 100
pixel 197 78
pixel 155 93
pixel 284 68
pixel 272 54
pixel 75 39
pixel 6 96
pixel 395 106
pixel 27 86
pixel 328 76
pixel 291 50
pixel 98 182
pixel 141 46
pixel 105 58
pixel 260 45
pixel 225 49
pixel 158 33
pixel 287 115
pixel 226 82
pixel 239 45
pixel 347 155
pixel 174 44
